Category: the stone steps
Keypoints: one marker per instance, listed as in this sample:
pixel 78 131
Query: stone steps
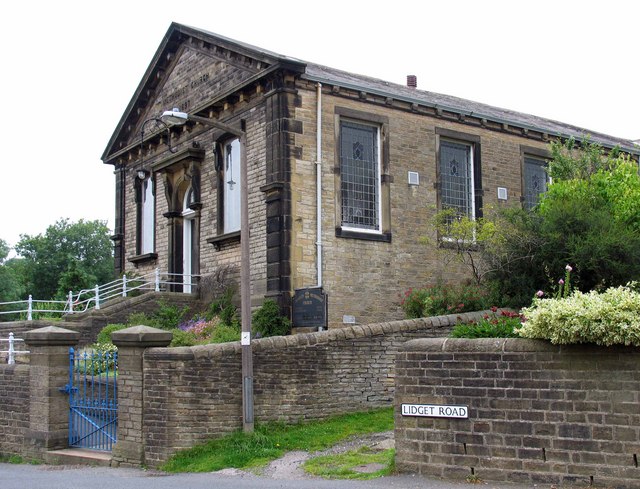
pixel 78 456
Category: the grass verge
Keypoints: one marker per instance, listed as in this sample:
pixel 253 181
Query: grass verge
pixel 361 464
pixel 271 440
pixel 11 459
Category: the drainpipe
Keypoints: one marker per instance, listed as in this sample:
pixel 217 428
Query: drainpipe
pixel 319 183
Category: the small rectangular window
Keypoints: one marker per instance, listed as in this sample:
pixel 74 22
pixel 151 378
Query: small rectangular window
pixel 360 176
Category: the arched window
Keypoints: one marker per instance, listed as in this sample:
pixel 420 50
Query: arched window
pixel 188 240
pixel 146 216
pixel 231 186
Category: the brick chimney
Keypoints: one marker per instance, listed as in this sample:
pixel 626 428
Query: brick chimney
pixel 412 81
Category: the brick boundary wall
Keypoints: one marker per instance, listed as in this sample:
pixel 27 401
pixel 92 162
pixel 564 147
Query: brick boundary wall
pixel 192 394
pixel 538 413
pixel 14 408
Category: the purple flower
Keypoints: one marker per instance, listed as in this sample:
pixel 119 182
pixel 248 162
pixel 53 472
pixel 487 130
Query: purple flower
pixel 561 282
pixel 539 293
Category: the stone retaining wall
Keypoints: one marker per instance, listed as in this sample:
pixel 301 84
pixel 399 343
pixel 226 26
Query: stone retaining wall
pixel 538 413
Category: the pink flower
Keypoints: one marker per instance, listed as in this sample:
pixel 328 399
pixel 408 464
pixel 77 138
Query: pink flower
pixel 539 293
pixel 561 282
pixel 568 268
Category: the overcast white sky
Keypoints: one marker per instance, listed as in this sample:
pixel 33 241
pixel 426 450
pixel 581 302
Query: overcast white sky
pixel 69 69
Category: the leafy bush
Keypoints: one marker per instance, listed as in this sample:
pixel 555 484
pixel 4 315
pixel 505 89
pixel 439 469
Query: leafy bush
pixel 608 318
pixel 168 316
pixel 100 358
pixel 224 333
pixel 268 322
pixel 589 217
pixel 200 330
pixel 437 300
pixel 141 318
pixel 218 325
pixel 224 308
pixel 104 336
pixel 183 338
pixel 490 326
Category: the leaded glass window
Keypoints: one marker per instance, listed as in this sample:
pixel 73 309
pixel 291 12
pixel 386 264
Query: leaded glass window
pixel 456 176
pixel 535 181
pixel 360 176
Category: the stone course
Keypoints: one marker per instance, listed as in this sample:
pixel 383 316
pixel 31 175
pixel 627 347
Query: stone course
pixel 538 413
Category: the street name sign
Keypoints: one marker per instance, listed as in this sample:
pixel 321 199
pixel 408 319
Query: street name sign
pixel 435 410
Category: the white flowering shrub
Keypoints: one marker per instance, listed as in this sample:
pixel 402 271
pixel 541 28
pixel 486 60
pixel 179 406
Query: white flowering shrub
pixel 608 318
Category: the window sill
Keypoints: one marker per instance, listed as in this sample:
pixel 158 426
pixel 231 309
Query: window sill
pixel 145 258
pixel 224 239
pixel 350 234
pixel 452 244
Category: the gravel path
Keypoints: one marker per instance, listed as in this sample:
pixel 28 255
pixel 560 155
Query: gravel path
pixel 289 466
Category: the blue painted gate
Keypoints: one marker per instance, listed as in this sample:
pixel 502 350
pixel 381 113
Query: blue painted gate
pixel 93 399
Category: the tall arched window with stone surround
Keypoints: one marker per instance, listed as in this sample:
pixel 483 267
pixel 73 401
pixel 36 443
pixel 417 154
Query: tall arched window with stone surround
pixel 231 186
pixel 188 240
pixel 146 206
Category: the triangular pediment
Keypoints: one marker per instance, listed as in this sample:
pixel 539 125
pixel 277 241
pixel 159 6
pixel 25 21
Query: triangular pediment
pixel 191 69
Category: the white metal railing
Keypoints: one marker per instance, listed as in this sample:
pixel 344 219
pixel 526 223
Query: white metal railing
pixel 155 281
pixel 12 352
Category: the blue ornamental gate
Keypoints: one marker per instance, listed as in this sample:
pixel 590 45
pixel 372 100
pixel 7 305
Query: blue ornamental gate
pixel 93 399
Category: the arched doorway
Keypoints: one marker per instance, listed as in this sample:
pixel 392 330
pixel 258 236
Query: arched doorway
pixel 188 239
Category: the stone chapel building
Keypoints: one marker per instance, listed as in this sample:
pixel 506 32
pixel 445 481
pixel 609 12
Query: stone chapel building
pixel 344 173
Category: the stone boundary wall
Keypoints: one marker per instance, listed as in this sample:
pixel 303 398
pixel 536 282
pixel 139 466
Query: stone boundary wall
pixel 538 413
pixel 192 394
pixel 14 408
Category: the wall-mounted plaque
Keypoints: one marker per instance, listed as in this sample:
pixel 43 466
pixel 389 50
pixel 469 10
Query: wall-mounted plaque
pixel 309 308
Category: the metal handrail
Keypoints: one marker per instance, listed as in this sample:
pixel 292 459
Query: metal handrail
pixel 12 352
pixel 86 299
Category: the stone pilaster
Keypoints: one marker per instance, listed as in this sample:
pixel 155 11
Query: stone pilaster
pixel 49 373
pixel 131 342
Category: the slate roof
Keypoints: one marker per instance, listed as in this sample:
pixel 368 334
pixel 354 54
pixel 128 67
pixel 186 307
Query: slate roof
pixel 332 76
pixel 371 85
pixel 325 74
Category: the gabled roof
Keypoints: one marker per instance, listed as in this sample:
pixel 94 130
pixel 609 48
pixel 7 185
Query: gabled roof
pixel 161 64
pixel 178 33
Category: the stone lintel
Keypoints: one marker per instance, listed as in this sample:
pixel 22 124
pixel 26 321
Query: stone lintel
pixel 141 337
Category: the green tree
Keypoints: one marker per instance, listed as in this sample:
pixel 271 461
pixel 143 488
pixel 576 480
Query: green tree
pixel 11 288
pixel 592 221
pixel 589 218
pixel 68 256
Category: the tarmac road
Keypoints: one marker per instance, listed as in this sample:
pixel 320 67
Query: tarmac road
pixel 76 477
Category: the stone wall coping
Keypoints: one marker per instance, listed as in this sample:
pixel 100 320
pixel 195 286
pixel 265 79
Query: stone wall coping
pixel 141 336
pixel 51 336
pixel 302 340
pixel 489 345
